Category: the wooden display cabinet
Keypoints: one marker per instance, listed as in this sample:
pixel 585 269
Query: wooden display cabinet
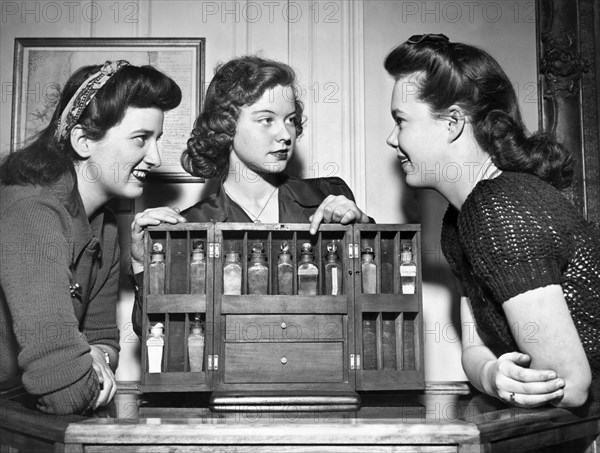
pixel 337 341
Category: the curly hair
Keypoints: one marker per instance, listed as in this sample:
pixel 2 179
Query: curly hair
pixel 460 74
pixel 239 82
pixel 47 158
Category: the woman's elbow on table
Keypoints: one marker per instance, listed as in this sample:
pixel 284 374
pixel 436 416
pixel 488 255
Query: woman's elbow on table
pixel 575 392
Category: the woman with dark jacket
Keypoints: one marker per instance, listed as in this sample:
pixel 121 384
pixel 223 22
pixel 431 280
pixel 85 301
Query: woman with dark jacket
pixel 245 137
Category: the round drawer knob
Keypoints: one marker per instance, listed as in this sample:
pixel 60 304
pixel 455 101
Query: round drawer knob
pixel 283 325
pixel 283 360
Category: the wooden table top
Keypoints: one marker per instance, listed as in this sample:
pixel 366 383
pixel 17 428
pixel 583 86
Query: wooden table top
pixel 427 418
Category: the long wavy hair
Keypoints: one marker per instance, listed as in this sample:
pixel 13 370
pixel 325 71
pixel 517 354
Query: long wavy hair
pixel 459 74
pixel 239 82
pixel 46 158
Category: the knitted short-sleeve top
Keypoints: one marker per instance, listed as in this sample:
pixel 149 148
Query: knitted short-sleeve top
pixel 516 233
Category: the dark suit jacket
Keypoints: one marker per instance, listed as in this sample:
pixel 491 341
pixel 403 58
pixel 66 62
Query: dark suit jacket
pixel 298 200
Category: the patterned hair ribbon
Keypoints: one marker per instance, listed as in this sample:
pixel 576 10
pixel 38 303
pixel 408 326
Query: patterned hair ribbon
pixel 84 95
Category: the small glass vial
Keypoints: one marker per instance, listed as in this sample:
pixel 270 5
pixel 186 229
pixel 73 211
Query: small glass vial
pixel 369 271
pixel 285 271
pixel 155 344
pixel 232 274
pixel 198 269
pixel 196 344
pixel 258 271
pixel 408 270
pixel 333 271
pixel 157 269
pixel 308 272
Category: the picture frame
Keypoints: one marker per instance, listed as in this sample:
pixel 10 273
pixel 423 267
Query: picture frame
pixel 43 65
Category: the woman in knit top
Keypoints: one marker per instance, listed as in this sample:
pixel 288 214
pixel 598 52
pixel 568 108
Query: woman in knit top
pixel 59 270
pixel 527 262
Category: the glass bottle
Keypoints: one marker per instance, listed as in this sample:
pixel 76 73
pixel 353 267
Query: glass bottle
pixel 369 341
pixel 258 271
pixel 369 271
pixel 232 274
pixel 198 269
pixel 308 272
pixel 155 344
pixel 157 269
pixel 408 270
pixel 285 270
pixel 196 344
pixel 333 271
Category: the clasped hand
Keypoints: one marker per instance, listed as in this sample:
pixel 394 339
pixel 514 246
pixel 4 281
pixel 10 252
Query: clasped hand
pixel 108 384
pixel 515 383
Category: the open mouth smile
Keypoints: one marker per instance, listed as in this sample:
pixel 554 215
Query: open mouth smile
pixel 140 175
pixel 403 159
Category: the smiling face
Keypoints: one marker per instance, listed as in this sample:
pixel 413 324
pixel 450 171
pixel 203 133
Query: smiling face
pixel 419 137
pixel 117 165
pixel 265 134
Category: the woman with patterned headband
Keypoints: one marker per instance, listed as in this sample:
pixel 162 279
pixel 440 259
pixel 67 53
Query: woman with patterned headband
pixel 60 257
pixel 527 261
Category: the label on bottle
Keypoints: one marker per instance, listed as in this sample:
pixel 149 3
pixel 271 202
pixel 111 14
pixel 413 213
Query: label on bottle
pixel 157 277
pixel 285 275
pixel 155 352
pixel 408 271
pixel 232 279
pixel 308 275
pixel 334 281
pixel 196 350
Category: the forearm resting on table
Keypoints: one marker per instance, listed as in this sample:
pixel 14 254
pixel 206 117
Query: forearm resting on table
pixel 545 330
pixel 477 361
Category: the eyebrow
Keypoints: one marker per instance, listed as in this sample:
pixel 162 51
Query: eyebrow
pixel 144 131
pixel 259 112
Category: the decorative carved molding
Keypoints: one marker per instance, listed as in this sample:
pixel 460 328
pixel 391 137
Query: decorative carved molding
pixel 562 66
pixel 568 40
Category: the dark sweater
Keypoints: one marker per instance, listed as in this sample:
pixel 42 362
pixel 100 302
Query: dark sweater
pixel 48 245
pixel 516 233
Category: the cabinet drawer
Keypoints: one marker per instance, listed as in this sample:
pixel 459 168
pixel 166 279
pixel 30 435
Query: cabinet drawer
pixel 284 327
pixel 283 362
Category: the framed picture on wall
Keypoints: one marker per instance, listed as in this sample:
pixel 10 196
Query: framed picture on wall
pixel 42 66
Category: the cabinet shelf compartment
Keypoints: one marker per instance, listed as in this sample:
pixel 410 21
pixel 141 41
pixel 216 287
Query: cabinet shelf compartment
pixel 177 308
pixel 387 243
pixel 241 238
pixel 388 323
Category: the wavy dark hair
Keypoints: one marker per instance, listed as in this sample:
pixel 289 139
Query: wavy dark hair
pixel 46 158
pixel 460 74
pixel 237 83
